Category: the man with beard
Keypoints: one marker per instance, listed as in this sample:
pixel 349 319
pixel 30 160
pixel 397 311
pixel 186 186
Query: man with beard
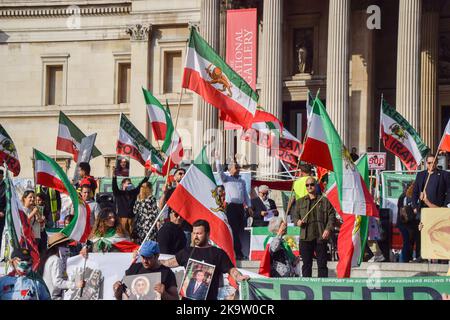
pixel 204 251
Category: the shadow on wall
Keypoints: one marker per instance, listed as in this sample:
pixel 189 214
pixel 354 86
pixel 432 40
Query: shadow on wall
pixel 3 37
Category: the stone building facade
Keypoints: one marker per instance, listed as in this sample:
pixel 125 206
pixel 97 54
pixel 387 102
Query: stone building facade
pixel 91 58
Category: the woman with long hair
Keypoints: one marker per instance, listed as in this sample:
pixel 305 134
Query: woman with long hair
pixel 36 218
pixel 53 267
pixel 106 232
pixel 146 211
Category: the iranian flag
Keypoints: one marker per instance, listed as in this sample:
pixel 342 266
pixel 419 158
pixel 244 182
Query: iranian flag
pixel 261 237
pixel 8 152
pixel 69 138
pixel 133 144
pixel 163 128
pixel 195 199
pixel 444 145
pixel 48 173
pixel 17 232
pixel 400 138
pixel 354 230
pixel 264 126
pixel 323 147
pixel 207 74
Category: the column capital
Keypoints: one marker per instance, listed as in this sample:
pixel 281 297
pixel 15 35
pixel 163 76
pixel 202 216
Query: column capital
pixel 194 24
pixel 139 32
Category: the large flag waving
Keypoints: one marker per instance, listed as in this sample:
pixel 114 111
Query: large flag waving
pixel 18 232
pixel 400 138
pixel 207 74
pixel 48 173
pixel 8 152
pixel 323 147
pixel 353 232
pixel 133 144
pixel 69 137
pixel 163 128
pixel 444 145
pixel 195 198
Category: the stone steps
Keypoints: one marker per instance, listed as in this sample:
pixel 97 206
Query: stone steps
pixel 381 269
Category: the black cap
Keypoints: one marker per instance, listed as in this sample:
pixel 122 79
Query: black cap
pixel 22 254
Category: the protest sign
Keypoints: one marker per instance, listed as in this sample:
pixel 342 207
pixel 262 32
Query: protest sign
pixel 392 185
pixel 435 235
pixel 197 280
pixel 141 286
pixel 415 288
pixel 376 160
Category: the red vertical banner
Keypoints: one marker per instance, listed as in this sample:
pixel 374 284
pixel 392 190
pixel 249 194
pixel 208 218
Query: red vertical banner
pixel 242 36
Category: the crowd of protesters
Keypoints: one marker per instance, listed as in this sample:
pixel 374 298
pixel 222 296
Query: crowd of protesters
pixel 134 218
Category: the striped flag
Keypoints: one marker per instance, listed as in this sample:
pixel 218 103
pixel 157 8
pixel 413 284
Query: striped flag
pixel 18 232
pixel 354 230
pixel 195 198
pixel 207 74
pixel 323 147
pixel 8 152
pixel 133 144
pixel 400 138
pixel 444 145
pixel 261 237
pixel 69 138
pixel 163 128
pixel 48 173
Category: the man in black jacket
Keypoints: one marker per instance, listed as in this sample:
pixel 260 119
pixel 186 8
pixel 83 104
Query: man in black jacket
pixel 171 238
pixel 124 200
pixel 437 193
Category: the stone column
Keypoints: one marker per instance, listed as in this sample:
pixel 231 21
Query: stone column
pixel 408 61
pixel 429 68
pixel 338 66
pixel 272 88
pixel 204 113
pixel 140 69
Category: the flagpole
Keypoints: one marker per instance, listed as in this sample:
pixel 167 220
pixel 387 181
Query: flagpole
pixel 381 110
pixel 289 206
pixel 310 210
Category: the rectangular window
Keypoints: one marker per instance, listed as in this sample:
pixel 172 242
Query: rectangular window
pixel 172 71
pixel 54 85
pixel 123 82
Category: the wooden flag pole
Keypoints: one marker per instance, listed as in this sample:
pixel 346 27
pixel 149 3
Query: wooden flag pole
pixel 310 210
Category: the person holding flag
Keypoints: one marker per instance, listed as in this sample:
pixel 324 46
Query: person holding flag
pixel 316 217
pixel 204 251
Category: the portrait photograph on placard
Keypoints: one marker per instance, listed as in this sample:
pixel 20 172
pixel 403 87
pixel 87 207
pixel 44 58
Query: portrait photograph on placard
pixel 197 280
pixel 122 168
pixel 141 287
pixel 435 238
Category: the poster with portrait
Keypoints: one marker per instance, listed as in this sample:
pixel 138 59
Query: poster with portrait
pixel 93 289
pixel 122 167
pixel 141 286
pixel 197 280
pixel 435 235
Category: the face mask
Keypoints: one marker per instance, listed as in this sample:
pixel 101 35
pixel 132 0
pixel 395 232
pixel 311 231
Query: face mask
pixel 130 187
pixel 23 267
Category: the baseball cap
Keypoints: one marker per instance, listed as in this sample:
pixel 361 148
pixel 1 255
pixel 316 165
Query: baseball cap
pixel 149 248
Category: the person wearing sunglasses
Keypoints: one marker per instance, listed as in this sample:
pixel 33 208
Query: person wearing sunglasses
pixel 434 194
pixel 316 217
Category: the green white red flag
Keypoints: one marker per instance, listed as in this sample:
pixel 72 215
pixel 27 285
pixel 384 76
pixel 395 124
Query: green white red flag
pixel 400 138
pixel 164 129
pixel 48 173
pixel 323 147
pixel 195 198
pixel 207 74
pixel 444 145
pixel 8 152
pixel 354 230
pixel 132 143
pixel 69 138
pixel 17 233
